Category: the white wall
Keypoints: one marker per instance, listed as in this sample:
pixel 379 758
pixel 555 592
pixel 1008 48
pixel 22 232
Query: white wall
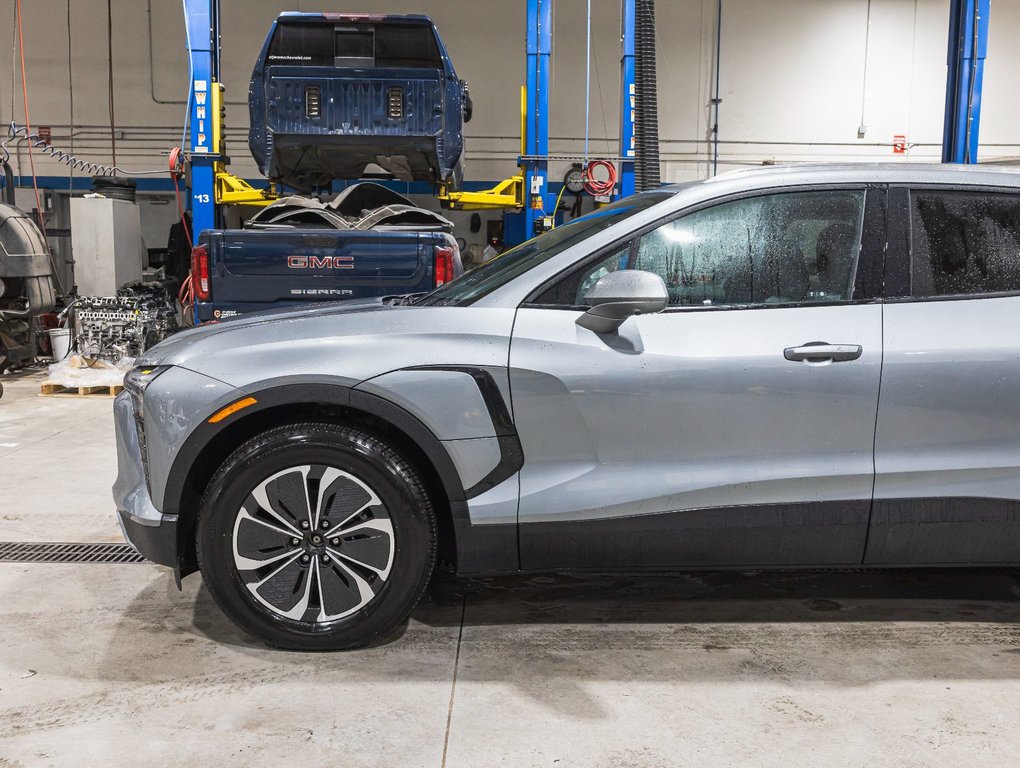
pixel 793 77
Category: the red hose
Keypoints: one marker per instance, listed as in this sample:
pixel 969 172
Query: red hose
pixel 186 294
pixel 600 187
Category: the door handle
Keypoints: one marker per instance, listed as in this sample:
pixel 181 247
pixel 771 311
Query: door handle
pixel 819 352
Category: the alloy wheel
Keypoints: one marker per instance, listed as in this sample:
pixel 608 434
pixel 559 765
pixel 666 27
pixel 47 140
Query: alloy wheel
pixel 313 543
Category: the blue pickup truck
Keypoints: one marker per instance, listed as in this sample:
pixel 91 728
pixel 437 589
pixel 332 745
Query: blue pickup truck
pixel 334 92
pixel 367 242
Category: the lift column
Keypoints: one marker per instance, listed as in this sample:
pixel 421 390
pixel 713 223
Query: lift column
pixel 627 98
pixel 538 200
pixel 202 19
pixel 968 46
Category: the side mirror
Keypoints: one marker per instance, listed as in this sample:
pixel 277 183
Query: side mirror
pixel 621 294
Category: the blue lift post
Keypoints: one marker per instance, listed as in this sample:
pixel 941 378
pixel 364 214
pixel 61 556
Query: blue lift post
pixel 538 202
pixel 968 46
pixel 202 20
pixel 627 98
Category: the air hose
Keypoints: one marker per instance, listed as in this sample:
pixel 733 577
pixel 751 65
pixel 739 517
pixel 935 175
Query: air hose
pixel 599 187
pixel 17 133
pixel 646 118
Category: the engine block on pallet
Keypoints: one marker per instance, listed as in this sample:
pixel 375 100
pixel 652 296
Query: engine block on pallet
pixel 125 325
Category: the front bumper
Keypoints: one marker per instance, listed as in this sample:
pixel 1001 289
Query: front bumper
pixel 150 532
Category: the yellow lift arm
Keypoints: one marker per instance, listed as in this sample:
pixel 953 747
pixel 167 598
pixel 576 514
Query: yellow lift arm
pixel 231 189
pixel 507 195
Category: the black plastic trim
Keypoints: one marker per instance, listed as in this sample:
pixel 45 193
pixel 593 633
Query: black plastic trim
pixel 807 533
pixel 945 530
pixel 157 543
pixel 896 283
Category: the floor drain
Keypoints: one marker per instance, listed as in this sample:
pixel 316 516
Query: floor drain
pixel 47 552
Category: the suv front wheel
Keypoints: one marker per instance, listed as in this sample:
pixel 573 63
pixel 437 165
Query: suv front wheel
pixel 316 536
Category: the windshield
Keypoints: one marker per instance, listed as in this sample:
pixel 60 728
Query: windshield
pixel 509 265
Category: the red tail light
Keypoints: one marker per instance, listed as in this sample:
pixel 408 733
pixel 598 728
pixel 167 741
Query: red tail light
pixel 200 273
pixel 444 265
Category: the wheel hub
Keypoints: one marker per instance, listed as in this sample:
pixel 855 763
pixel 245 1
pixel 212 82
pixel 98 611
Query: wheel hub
pixel 303 565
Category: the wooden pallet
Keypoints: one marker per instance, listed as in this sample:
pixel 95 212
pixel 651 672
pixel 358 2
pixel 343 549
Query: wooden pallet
pixel 49 389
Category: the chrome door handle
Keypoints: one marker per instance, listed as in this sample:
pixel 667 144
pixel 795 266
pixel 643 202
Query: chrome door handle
pixel 818 352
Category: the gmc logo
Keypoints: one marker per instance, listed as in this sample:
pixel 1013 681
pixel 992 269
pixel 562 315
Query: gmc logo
pixel 320 262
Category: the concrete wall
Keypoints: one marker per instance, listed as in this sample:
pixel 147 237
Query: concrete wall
pixel 795 77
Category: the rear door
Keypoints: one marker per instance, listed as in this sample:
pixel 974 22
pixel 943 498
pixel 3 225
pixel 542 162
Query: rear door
pixel 947 450
pixel 709 434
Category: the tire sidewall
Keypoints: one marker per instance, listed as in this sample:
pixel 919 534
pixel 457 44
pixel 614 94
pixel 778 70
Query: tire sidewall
pixel 369 460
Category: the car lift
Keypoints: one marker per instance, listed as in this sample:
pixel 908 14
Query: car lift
pixel 527 191
pixel 211 184
pixel 968 47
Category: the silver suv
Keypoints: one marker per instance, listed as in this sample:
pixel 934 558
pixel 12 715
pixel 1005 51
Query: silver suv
pixel 794 366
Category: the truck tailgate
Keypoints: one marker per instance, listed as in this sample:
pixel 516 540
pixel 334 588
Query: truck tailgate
pixel 264 266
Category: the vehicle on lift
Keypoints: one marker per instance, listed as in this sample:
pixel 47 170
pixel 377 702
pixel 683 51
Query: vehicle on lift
pixel 687 378
pixel 332 93
pixel 368 241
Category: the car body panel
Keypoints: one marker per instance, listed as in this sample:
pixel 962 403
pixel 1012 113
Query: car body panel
pixel 474 457
pixel 948 433
pixel 696 410
pixel 176 402
pixel 265 350
pixel 448 402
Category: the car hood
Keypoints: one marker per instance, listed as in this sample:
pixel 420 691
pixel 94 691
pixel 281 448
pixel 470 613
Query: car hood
pixel 168 351
pixel 339 343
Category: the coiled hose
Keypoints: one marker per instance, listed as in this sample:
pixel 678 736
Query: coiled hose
pixel 17 133
pixel 646 118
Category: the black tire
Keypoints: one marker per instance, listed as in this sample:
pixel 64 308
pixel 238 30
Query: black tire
pixel 236 533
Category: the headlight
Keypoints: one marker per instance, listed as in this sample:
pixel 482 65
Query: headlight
pixel 138 379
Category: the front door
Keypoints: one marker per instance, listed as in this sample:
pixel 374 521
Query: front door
pixel 722 431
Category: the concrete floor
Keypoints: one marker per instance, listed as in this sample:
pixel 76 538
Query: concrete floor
pixel 111 665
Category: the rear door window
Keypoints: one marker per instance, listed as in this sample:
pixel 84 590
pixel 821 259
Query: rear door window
pixel 406 45
pixel 964 243
pixel 355 45
pixel 309 45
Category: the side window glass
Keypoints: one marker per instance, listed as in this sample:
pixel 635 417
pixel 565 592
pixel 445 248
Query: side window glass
pixel 964 243
pixel 592 274
pixel 772 249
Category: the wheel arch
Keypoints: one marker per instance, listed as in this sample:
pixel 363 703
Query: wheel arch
pixel 209 445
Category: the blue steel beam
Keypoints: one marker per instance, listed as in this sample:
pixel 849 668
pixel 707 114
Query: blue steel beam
pixel 538 200
pixel 968 46
pixel 202 20
pixel 627 98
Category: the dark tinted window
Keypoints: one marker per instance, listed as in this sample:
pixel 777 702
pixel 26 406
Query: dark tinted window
pixel 323 45
pixel 406 45
pixel 309 45
pixel 355 43
pixel 965 243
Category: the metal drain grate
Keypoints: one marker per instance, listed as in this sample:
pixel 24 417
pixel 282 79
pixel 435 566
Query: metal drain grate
pixel 47 552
